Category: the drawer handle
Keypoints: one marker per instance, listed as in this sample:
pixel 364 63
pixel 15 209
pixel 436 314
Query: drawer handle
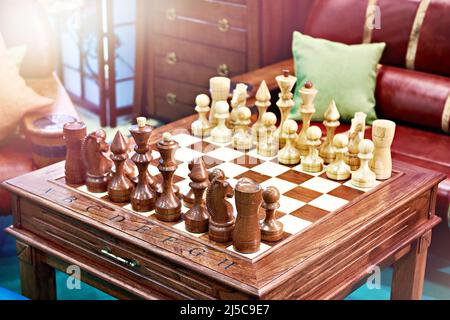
pixel 171 58
pixel 130 263
pixel 223 70
pixel 224 25
pixel 171 98
pixel 171 14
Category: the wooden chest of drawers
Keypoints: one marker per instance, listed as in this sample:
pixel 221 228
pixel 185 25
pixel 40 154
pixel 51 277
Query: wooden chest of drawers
pixel 186 42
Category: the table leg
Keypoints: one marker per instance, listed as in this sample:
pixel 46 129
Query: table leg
pixel 36 277
pixel 409 271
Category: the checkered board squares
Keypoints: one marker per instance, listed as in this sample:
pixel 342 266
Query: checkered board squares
pixel 305 197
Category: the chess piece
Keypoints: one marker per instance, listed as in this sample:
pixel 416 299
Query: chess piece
pixel 285 82
pixel 246 234
pixel 119 185
pixel 197 218
pixel 268 143
pixel 307 109
pixel 189 197
pixel 221 133
pixel 331 122
pixel 238 101
pixel 383 132
pixel 242 139
pixel 98 165
pixel 312 162
pixel 201 127
pixel 271 228
pixel 143 196
pixel 168 205
pixel 74 134
pixel 289 155
pixel 356 135
pixel 220 89
pixel 364 177
pixel 262 103
pixel 338 169
pixel 221 218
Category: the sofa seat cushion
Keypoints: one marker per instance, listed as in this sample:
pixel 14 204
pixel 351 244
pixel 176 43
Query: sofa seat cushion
pixel 15 160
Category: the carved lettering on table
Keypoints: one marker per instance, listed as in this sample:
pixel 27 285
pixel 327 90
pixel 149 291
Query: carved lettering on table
pixel 117 218
pixel 196 252
pixel 48 191
pixel 70 199
pixel 92 208
pixel 226 264
pixel 169 239
pixel 143 229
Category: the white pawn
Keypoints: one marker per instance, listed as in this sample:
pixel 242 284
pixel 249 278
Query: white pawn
pixel 221 133
pixel 201 128
pixel 364 177
pixel 289 155
pixel 312 162
pixel 338 169
pixel 268 142
pixel 242 139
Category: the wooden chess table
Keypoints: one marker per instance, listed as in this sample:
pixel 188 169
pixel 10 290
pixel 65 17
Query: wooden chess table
pixel 329 249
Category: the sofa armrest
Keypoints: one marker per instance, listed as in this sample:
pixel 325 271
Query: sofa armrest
pixel 268 73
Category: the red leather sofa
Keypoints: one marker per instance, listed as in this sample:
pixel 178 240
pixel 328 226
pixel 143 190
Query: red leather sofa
pixel 413 86
pixel 25 22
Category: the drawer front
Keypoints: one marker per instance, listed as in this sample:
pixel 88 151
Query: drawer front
pixel 219 14
pixel 175 51
pixel 179 92
pixel 167 278
pixel 202 32
pixel 188 73
pixel 171 112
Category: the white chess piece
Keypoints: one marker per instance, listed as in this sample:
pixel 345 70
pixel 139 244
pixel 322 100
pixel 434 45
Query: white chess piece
pixel 338 169
pixel 312 162
pixel 289 155
pixel 221 133
pixel 242 139
pixel 364 177
pixel 268 142
pixel 238 101
pixel 383 132
pixel 220 89
pixel 201 127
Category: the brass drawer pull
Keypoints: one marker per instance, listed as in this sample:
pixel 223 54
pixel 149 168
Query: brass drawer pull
pixel 224 25
pixel 171 14
pixel 223 70
pixel 171 98
pixel 171 58
pixel 127 262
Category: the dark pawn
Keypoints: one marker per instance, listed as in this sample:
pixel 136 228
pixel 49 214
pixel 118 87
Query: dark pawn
pixel 189 197
pixel 97 163
pixel 143 196
pixel 246 234
pixel 197 218
pixel 221 218
pixel 271 228
pixel 168 205
pixel 119 186
pixel 74 134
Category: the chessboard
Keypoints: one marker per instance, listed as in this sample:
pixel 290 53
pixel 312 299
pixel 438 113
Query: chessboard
pixel 306 198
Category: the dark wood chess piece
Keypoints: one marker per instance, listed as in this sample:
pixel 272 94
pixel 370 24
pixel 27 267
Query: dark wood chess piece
pixel 221 218
pixel 246 234
pixel 74 134
pixel 189 197
pixel 197 218
pixel 271 228
pixel 98 165
pixel 119 185
pixel 143 197
pixel 168 205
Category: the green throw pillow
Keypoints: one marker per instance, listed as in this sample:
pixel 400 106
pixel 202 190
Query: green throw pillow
pixel 345 73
